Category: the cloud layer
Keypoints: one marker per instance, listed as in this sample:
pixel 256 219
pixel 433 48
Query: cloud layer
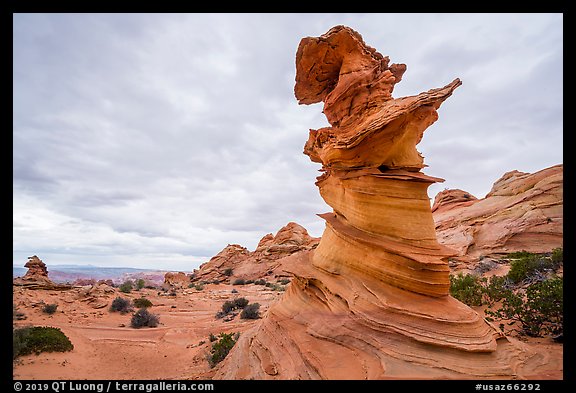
pixel 154 140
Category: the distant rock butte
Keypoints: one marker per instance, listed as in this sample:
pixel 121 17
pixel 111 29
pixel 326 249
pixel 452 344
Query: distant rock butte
pixel 235 261
pixel 371 301
pixel 523 211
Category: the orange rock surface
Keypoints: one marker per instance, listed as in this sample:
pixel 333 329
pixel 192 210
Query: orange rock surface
pixel 179 279
pixel 523 211
pixel 266 260
pixel 371 301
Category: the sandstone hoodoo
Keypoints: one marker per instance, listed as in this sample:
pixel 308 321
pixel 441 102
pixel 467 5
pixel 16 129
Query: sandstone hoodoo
pixel 523 211
pixel 372 300
pixel 37 276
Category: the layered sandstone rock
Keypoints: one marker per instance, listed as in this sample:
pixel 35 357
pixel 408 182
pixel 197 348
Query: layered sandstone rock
pixel 235 261
pixel 96 295
pixel 177 280
pixel 37 276
pixel 523 211
pixel 371 301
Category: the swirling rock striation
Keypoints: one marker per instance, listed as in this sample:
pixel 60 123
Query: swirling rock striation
pixel 371 301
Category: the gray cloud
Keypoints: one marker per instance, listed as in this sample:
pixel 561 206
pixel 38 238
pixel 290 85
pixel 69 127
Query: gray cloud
pixel 156 139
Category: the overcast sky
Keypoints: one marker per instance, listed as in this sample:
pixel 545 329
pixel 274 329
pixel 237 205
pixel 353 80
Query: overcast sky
pixel 154 140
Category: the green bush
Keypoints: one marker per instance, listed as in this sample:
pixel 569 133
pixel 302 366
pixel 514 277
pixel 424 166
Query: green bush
pixel 39 339
pixel 239 281
pixel 260 281
pixel 240 302
pixel 467 288
pixel 228 306
pixel 284 281
pixel 557 257
pixel 142 303
pixel 121 305
pixel 49 308
pixel 220 348
pixel 126 286
pixel 527 264
pixel 142 318
pixel 496 288
pixel 140 283
pixel 228 272
pixel 519 254
pixel 251 311
pixel 542 311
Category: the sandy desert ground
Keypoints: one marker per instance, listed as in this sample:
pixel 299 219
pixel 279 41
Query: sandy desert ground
pixel 106 347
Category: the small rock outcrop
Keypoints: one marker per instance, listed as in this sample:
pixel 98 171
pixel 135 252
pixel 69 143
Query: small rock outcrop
pixel 96 295
pixel 523 211
pixel 177 280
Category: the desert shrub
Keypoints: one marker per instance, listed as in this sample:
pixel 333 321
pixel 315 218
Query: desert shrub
pixel 121 305
pixel 557 257
pixel 140 283
pixel 220 348
pixel 234 290
pixel 251 311
pixel 240 302
pixel 274 286
pixel 519 254
pixel 284 281
pixel 199 287
pixel 228 272
pixel 126 286
pixel 239 281
pixel 228 306
pixel 496 288
pixel 142 303
pixel 49 308
pixel 530 266
pixel 142 318
pixel 260 281
pixel 212 337
pixel 540 313
pixel 466 288
pixel 39 339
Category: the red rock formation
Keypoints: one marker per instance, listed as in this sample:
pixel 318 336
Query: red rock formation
pixel 266 259
pixel 37 270
pixel 96 295
pixel 523 211
pixel 37 276
pixel 218 266
pixel 177 280
pixel 371 301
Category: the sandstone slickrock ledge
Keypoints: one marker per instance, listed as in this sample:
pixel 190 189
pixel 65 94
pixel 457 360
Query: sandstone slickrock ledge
pixel 523 211
pixel 371 301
